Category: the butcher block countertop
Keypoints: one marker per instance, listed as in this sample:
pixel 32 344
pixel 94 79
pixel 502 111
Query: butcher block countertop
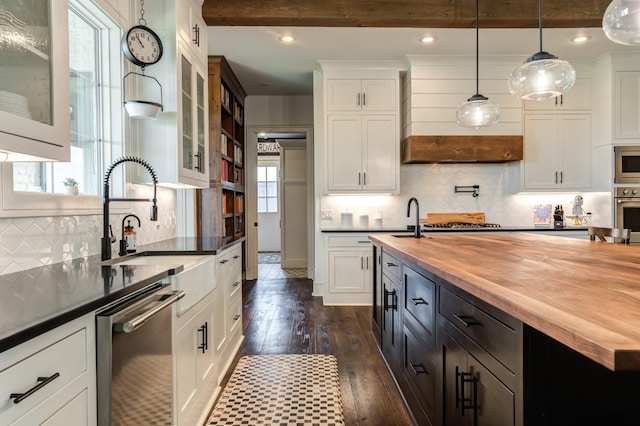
pixel 584 294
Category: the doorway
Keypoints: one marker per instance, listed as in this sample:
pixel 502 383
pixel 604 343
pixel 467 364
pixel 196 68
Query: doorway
pixel 279 206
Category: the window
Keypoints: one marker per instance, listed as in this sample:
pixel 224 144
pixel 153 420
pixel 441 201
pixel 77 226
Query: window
pixel 95 72
pixel 267 189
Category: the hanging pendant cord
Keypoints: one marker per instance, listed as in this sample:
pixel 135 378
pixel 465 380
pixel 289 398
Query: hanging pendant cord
pixel 540 21
pixel 477 48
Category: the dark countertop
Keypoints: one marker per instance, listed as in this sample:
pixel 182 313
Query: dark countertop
pixel 38 300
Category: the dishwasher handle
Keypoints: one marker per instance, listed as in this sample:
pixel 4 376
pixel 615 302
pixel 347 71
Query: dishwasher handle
pixel 132 324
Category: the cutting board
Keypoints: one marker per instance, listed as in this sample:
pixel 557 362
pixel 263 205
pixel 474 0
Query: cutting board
pixel 437 218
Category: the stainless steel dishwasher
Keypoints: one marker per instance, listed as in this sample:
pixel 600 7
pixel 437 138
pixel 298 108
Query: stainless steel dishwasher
pixel 134 365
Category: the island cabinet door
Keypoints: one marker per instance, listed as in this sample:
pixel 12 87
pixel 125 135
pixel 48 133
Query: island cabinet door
pixel 472 396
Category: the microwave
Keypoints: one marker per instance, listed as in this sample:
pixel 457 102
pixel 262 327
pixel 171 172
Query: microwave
pixel 627 164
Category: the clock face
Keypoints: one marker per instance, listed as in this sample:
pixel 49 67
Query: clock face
pixel 142 46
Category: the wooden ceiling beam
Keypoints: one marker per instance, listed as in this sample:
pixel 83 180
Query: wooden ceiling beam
pixel 404 13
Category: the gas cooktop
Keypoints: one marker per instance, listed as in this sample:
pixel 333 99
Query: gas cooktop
pixel 460 225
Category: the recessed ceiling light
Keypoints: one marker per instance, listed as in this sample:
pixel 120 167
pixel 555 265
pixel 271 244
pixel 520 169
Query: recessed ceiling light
pixel 428 39
pixel 580 38
pixel 287 39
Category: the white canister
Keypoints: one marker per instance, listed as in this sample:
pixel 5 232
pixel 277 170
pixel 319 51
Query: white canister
pixel 346 219
pixel 377 222
pixel 363 221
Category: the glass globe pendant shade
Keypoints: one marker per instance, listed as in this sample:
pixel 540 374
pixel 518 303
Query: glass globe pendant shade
pixel 478 112
pixel 542 76
pixel 621 22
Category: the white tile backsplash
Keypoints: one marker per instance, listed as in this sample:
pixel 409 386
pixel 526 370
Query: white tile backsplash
pixel 433 186
pixel 30 242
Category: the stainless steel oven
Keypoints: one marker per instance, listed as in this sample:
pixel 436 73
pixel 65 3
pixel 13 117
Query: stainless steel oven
pixel 627 210
pixel 627 164
pixel 134 363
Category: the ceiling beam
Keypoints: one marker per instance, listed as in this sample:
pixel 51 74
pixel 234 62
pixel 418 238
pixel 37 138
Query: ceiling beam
pixel 404 13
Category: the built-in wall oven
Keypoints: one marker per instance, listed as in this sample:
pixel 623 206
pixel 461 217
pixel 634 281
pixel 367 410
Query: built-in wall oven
pixel 134 363
pixel 627 210
pixel 627 164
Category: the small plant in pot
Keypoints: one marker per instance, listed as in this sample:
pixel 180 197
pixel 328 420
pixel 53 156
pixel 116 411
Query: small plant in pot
pixel 70 186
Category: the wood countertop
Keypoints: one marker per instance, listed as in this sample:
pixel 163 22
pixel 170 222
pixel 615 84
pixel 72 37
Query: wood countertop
pixel 582 293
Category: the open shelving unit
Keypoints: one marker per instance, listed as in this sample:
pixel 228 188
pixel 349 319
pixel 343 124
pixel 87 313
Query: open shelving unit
pixel 227 147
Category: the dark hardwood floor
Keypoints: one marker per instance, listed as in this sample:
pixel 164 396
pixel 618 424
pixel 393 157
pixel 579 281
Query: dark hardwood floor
pixel 282 317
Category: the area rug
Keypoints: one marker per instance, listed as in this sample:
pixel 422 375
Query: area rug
pixel 281 390
pixel 269 258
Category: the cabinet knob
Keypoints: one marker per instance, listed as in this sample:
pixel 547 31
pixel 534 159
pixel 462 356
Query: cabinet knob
pixel 236 317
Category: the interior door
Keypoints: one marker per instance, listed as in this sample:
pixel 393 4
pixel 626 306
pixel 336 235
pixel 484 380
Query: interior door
pixel 293 203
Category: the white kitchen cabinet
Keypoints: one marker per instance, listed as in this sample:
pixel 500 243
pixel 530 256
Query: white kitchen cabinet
pixel 557 151
pixel 195 362
pixel 346 95
pixel 362 153
pixel 176 143
pixel 350 269
pixel 64 355
pixel 578 98
pixel 627 105
pixel 228 335
pixel 34 100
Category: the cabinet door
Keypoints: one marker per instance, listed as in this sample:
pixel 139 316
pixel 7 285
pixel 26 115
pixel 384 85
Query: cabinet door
pixel 379 95
pixel 578 98
pixel 186 349
pixel 493 403
pixel 348 271
pixel 454 364
pixel 574 137
pixel 380 153
pixel 540 152
pixel 343 95
pixel 627 105
pixel 34 101
pixel 344 153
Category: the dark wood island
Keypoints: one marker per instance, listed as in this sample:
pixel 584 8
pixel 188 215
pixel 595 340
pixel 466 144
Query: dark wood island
pixel 510 329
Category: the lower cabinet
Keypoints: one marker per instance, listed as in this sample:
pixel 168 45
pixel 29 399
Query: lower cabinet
pixel 350 269
pixel 56 375
pixel 195 362
pixel 472 396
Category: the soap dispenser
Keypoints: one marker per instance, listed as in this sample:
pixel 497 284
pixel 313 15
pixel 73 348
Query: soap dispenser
pixel 130 237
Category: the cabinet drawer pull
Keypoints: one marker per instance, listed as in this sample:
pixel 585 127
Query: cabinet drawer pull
pixel 466 321
pixel 418 369
pixel 463 402
pixel 236 256
pixel 236 283
pixel 391 264
pixel 224 261
pixel 196 33
pixel 236 317
pixel 43 381
pixel 419 301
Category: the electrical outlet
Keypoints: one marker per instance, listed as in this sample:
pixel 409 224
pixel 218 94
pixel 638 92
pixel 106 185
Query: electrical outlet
pixel 326 215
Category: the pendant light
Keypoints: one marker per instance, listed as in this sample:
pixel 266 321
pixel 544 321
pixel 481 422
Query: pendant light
pixel 621 22
pixel 478 111
pixel 543 75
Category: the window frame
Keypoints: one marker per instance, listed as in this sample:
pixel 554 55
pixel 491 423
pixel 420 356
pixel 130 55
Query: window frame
pixel 267 197
pixel 112 127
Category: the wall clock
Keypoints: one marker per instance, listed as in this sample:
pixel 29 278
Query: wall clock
pixel 141 45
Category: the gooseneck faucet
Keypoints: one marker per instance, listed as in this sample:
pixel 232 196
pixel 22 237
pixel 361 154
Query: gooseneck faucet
pixel 106 199
pixel 416 231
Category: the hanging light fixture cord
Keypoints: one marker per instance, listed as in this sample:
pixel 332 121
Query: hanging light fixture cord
pixel 540 21
pixel 477 49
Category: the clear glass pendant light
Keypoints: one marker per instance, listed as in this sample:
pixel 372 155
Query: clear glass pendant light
pixel 621 22
pixel 478 111
pixel 542 76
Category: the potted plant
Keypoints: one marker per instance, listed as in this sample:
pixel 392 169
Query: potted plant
pixel 70 186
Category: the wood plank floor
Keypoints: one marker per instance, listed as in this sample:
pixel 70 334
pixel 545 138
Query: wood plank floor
pixel 282 317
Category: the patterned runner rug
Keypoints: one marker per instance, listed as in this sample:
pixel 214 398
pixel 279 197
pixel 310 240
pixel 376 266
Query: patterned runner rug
pixel 281 390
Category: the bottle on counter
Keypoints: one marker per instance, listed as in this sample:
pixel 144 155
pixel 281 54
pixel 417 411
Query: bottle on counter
pixel 130 237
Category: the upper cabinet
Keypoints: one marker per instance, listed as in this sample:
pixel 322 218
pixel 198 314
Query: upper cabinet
pixel 578 98
pixel 362 95
pixel 361 128
pixel 627 105
pixel 34 70
pixel 176 144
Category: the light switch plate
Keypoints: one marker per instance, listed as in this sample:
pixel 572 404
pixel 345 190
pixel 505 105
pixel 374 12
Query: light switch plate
pixel 326 215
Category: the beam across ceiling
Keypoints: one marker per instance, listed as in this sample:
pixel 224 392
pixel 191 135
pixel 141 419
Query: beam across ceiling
pixel 404 13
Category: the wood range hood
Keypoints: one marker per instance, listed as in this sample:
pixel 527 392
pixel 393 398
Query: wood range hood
pixel 461 149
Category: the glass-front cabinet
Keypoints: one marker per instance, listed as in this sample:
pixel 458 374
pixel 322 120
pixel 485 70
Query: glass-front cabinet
pixel 34 80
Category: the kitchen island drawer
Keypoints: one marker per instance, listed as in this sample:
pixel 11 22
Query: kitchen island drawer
pixel 493 335
pixel 419 300
pixel 391 266
pixel 36 378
